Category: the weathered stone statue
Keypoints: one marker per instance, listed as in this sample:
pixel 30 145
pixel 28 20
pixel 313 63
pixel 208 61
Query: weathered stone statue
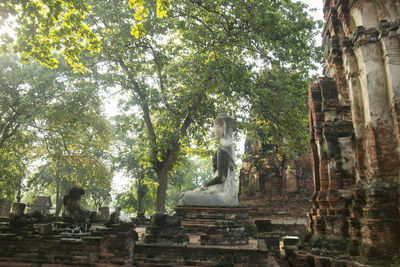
pixel 72 207
pixel 114 217
pixel 221 189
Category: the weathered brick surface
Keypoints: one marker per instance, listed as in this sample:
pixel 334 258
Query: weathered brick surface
pixel 276 189
pixel 177 255
pixel 110 247
pixel 198 219
pixel 354 129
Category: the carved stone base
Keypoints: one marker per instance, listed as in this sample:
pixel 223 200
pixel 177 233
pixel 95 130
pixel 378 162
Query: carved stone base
pixel 157 234
pixel 70 229
pixel 165 229
pixel 226 233
pixel 196 219
pixel 215 225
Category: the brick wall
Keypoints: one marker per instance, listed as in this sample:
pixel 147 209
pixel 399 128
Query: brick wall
pixel 107 247
pixel 354 128
pixel 276 189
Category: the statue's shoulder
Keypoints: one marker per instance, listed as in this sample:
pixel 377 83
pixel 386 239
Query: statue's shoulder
pixel 224 148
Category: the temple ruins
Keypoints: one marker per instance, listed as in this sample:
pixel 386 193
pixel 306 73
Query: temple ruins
pixel 335 206
pixel 354 136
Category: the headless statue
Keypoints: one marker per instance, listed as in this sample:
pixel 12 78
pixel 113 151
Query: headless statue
pixel 221 189
pixel 72 207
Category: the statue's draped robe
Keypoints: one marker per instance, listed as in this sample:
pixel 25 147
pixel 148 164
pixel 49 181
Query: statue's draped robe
pixel 221 191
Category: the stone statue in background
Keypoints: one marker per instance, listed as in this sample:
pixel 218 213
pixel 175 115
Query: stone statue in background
pixel 72 207
pixel 221 189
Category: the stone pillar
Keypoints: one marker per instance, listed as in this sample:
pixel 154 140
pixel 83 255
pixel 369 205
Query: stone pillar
pixel 332 131
pixel 381 217
pixel 317 222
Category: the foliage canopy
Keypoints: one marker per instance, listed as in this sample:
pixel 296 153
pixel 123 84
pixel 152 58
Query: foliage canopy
pixel 179 62
pixel 51 119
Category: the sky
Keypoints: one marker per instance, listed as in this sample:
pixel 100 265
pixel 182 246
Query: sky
pixel 315 4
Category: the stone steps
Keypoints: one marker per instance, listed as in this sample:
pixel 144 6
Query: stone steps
pixel 60 263
pixel 196 255
pixel 38 262
pixel 41 264
pixel 170 262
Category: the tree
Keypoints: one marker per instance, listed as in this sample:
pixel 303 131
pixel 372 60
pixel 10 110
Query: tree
pixel 196 60
pixel 96 180
pixel 25 92
pixel 54 116
pixel 12 171
pixel 204 55
pixel 44 27
pixel 285 126
pixel 129 202
pixel 187 175
pixel 74 135
pixel 98 188
pixel 128 158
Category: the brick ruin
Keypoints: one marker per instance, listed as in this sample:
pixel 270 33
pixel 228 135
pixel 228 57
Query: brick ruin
pixel 355 129
pixel 33 246
pixel 212 236
pixel 354 167
pixel 275 188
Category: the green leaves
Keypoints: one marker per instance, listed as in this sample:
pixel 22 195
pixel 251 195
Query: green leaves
pixel 205 55
pixel 52 116
pixel 178 63
pixel 45 27
pixel 285 126
pixel 138 30
pixel 162 8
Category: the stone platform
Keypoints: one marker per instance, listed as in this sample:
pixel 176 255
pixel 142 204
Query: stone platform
pixel 196 219
pixel 105 246
pixel 221 226
pixel 198 255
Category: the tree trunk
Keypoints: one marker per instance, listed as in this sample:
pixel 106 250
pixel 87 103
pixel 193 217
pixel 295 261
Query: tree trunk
pixel 19 190
pixel 58 208
pixel 58 196
pixel 161 190
pixel 140 195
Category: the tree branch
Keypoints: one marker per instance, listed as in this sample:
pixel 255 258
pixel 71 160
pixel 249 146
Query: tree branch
pixel 142 101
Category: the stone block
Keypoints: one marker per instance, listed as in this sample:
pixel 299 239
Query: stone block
pixel 4 207
pixel 165 229
pixel 263 225
pixel 322 262
pixel 165 220
pixel 45 229
pixel 290 241
pixel 272 242
pixel 18 209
